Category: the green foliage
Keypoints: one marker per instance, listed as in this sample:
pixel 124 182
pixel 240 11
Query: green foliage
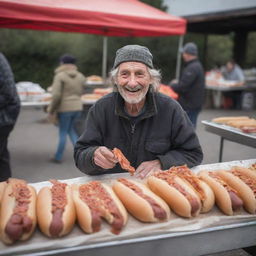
pixel 219 50
pixel 251 53
pixel 156 3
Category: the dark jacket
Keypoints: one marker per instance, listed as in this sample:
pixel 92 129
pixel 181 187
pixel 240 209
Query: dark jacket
pixel 162 132
pixel 9 99
pixel 191 86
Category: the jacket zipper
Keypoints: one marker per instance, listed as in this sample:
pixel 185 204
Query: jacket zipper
pixel 132 135
pixel 133 128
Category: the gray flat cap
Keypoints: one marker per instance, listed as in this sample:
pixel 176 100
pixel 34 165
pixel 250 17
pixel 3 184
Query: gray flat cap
pixel 135 53
pixel 190 48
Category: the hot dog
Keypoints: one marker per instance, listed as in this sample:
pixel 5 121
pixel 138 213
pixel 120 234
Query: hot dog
pixel 55 209
pixel 123 161
pixel 226 197
pixel 240 180
pixel 204 192
pixel 95 200
pixel 181 198
pixel 141 202
pixel 18 211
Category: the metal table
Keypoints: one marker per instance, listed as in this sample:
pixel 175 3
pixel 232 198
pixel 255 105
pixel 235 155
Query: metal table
pixel 201 242
pixel 218 90
pixel 231 134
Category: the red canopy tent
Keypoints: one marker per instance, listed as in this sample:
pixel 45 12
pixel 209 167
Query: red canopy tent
pixel 108 18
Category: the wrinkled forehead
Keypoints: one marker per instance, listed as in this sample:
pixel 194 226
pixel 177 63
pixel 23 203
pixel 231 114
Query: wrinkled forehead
pixel 132 66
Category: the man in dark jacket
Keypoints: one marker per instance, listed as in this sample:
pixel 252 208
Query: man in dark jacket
pixel 9 110
pixel 191 84
pixel 151 129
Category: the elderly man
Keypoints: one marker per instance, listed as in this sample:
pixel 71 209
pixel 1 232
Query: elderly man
pixel 151 129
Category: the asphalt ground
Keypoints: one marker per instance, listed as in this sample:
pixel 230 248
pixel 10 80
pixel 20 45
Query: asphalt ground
pixel 33 142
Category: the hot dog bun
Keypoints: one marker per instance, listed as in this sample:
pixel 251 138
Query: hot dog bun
pixel 62 221
pixel 95 200
pixel 21 224
pixel 244 185
pixel 226 197
pixel 181 198
pixel 226 119
pixel 3 186
pixel 203 190
pixel 139 200
pixel 248 172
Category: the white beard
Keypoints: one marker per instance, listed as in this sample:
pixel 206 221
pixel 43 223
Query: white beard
pixel 132 100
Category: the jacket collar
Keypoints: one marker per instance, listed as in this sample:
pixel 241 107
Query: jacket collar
pixel 65 67
pixel 151 108
pixel 191 61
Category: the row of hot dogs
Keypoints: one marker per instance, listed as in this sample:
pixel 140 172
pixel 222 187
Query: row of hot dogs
pixel 56 208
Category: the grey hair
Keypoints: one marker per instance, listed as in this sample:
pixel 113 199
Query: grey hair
pixel 155 75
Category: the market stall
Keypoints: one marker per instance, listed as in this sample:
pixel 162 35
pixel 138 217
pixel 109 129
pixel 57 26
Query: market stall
pixel 181 236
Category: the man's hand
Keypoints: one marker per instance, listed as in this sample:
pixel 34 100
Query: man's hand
pixel 104 158
pixel 147 167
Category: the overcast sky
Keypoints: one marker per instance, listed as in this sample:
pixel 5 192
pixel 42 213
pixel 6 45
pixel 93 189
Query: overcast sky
pixel 190 7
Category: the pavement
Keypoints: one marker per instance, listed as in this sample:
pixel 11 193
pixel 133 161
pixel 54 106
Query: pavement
pixel 33 142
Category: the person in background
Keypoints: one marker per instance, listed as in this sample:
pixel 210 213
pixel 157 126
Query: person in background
pixel 67 88
pixel 191 85
pixel 233 72
pixel 9 111
pixel 151 129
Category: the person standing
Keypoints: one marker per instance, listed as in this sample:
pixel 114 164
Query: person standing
pixel 9 111
pixel 191 85
pixel 67 88
pixel 151 129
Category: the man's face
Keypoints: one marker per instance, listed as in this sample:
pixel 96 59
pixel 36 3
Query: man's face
pixel 184 56
pixel 230 66
pixel 133 80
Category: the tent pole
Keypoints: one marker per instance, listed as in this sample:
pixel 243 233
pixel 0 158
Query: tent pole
pixel 104 58
pixel 178 64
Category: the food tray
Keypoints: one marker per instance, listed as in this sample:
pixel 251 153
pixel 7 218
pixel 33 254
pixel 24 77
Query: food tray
pixel 207 233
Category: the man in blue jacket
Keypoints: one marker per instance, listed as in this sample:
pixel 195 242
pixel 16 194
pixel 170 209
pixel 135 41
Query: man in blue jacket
pixel 151 129
pixel 9 110
pixel 191 85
